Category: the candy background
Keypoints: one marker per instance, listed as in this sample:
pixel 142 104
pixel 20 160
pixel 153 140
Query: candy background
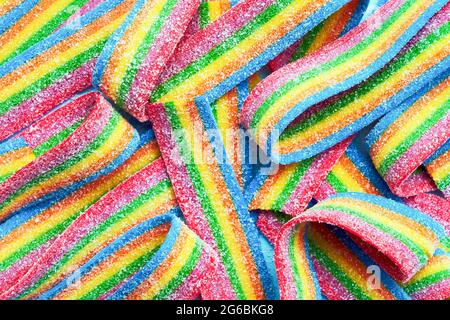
pixel 252 149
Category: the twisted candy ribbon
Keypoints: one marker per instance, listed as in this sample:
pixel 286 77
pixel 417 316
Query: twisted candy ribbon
pixel 288 114
pixel 83 139
pixel 400 239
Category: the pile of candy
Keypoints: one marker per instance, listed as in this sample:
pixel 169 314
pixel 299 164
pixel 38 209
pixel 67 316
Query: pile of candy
pixel 220 149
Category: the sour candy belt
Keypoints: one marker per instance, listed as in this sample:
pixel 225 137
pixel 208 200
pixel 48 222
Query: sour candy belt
pixel 406 137
pixel 300 89
pixel 144 195
pixel 289 188
pixel 400 239
pixel 83 139
pixel 160 258
pixel 238 44
pixel 132 60
pixel 209 195
pixel 43 223
pixel 55 68
pixel 31 21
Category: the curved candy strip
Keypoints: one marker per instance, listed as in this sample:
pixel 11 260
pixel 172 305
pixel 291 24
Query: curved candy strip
pixel 343 269
pixel 270 223
pixel 32 21
pixel 83 139
pixel 209 195
pixel 239 43
pixel 300 89
pixel 54 69
pixel 436 207
pixel 433 281
pixel 159 258
pixel 403 238
pixel 130 64
pixel 327 31
pixel 354 172
pixel 42 224
pixel 146 194
pixel 438 166
pixel 291 187
pixel 406 137
pixel 14 154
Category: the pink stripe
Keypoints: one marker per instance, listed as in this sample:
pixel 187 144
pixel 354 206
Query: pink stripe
pixel 329 285
pixel 31 110
pixel 325 190
pixel 437 291
pixel 269 225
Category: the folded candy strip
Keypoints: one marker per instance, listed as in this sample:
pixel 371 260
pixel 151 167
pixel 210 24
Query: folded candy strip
pixel 289 188
pixel 288 113
pixel 43 223
pixel 239 43
pixel 83 139
pixel 401 240
pixel 31 21
pixel 57 67
pixel 160 258
pixel 432 282
pixel 209 195
pixel 343 270
pixel 407 136
pixel 130 64
pixel 144 195
pixel 438 166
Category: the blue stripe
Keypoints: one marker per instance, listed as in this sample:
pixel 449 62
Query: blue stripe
pixel 12 144
pixel 10 18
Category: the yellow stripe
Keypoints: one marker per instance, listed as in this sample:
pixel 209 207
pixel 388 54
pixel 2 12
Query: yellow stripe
pixel 141 26
pixel 282 180
pixel 351 184
pixel 17 163
pixel 301 262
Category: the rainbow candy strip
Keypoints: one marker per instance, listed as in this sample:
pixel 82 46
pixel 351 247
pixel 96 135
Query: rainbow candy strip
pixel 291 187
pixel 400 239
pixel 327 31
pixel 244 39
pixel 43 223
pixel 146 194
pixel 209 195
pixel 407 136
pixel 210 11
pixel 160 258
pixel 342 268
pixel 433 281
pixel 31 21
pixel 83 139
pixel 354 172
pixel 438 166
pixel 14 154
pixel 129 66
pixel 57 67
pixel 288 114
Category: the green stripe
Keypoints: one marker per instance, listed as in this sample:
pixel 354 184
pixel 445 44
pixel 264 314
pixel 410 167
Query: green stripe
pixel 339 273
pixel 125 272
pixel 185 271
pixel 57 138
pixel 444 183
pixel 403 238
pixel 215 53
pixel 427 281
pixel 292 183
pixel 370 84
pixel 413 137
pixel 203 14
pixel 51 77
pixel 295 271
pixel 101 229
pixel 134 67
pixel 335 183
pixel 48 28
pixel 315 72
pixel 207 205
pixel 94 145
pixel 307 42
